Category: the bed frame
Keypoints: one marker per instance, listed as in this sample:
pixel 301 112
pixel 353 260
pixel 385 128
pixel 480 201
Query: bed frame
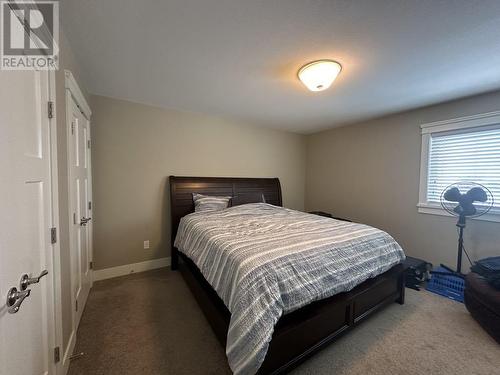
pixel 303 332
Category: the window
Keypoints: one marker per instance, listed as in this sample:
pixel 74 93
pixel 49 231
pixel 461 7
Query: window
pixel 466 149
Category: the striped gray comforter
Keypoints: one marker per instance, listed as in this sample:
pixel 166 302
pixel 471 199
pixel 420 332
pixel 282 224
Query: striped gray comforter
pixel 265 261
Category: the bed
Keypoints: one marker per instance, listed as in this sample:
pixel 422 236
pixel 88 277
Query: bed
pixel 297 333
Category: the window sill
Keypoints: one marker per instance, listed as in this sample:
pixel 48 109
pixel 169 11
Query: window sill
pixel 436 209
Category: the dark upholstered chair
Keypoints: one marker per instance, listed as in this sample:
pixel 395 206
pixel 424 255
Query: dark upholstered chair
pixel 483 302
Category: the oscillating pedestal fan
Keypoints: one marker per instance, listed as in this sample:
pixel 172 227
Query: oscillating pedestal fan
pixel 459 199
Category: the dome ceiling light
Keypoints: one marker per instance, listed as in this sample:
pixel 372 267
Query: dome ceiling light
pixel 319 75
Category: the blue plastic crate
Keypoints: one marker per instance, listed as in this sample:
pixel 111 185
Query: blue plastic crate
pixel 449 286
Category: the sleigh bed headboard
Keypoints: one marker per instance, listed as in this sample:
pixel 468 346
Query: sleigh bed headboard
pixel 182 189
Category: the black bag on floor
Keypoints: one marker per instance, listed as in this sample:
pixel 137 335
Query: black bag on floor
pixel 417 272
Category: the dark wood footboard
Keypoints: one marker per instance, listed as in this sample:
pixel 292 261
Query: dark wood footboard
pixel 303 332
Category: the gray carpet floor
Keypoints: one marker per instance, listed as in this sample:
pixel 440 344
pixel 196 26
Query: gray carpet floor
pixel 149 324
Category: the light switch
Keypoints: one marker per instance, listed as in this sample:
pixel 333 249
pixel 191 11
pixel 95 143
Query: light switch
pixel 146 244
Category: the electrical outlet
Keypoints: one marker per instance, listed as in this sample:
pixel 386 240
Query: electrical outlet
pixel 146 244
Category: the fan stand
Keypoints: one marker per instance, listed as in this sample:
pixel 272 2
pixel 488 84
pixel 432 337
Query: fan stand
pixel 458 272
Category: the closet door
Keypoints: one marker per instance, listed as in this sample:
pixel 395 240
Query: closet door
pixel 80 196
pixel 27 313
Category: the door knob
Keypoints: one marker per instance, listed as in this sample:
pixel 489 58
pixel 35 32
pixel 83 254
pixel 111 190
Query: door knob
pixel 15 298
pixel 26 280
pixel 84 221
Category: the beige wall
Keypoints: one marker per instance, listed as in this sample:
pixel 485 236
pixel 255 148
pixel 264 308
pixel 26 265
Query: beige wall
pixel 136 147
pixel 66 61
pixel 367 171
pixel 370 172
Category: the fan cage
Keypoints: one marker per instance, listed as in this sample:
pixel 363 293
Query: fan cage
pixel 464 187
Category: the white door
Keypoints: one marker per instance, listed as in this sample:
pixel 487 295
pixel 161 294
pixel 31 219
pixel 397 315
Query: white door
pixel 80 195
pixel 27 337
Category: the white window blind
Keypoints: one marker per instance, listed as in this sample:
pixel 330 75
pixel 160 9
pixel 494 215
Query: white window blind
pixel 472 156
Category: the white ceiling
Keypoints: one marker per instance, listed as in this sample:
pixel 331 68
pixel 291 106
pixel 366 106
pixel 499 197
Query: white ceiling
pixel 239 58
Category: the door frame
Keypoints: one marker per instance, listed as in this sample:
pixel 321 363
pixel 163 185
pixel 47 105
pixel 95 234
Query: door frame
pixel 56 326
pixel 74 93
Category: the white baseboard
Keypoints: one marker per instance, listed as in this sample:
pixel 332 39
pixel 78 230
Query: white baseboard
pixel 68 352
pixel 108 273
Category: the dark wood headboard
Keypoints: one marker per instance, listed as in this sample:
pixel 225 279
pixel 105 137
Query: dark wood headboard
pixel 182 189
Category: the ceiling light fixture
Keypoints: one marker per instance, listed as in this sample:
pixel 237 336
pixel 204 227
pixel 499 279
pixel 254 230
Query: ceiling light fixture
pixel 319 75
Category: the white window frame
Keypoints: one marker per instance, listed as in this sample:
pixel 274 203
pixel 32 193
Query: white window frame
pixel 480 120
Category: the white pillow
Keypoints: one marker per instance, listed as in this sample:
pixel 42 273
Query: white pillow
pixel 209 203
